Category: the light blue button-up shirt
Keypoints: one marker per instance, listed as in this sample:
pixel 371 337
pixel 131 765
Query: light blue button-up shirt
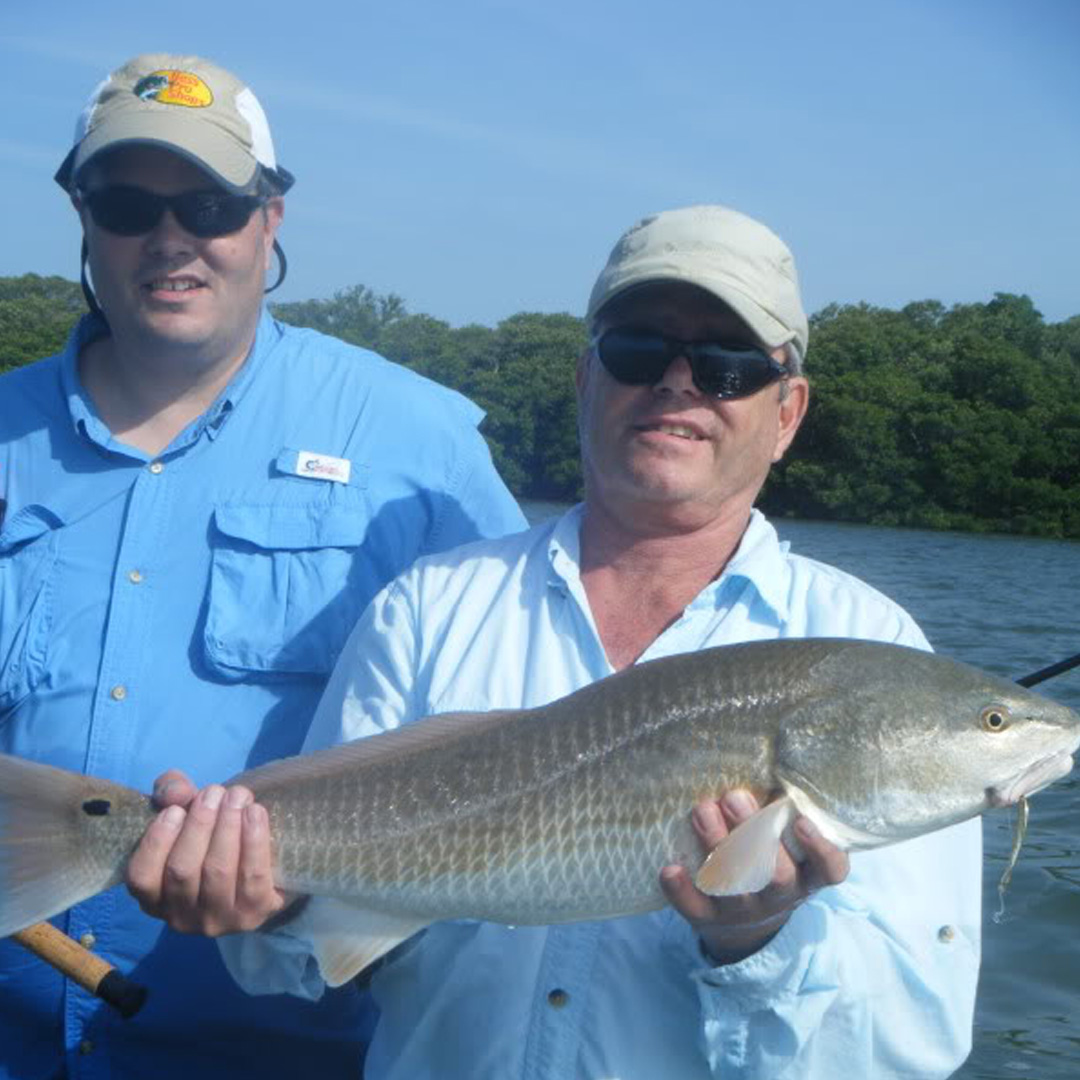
pixel 186 611
pixel 861 982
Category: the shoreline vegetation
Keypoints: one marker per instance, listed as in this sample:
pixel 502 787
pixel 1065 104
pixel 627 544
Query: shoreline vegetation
pixel 964 418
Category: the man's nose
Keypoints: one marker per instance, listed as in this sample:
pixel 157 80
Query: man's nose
pixel 169 233
pixel 678 377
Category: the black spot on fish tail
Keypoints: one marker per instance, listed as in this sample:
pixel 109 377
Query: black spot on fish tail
pixel 96 807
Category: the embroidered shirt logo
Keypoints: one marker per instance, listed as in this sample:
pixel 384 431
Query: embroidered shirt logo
pixel 174 88
pixel 323 467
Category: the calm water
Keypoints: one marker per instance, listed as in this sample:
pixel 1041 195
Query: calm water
pixel 1011 606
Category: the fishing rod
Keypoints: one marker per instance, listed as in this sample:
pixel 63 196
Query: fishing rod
pixel 1049 672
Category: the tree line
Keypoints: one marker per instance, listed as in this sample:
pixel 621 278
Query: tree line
pixel 964 417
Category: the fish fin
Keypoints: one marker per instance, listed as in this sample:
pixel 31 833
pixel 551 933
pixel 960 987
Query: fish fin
pixel 745 860
pixel 47 863
pixel 346 938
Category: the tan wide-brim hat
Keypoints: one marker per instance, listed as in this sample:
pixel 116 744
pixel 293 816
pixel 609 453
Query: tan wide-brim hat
pixel 184 104
pixel 732 256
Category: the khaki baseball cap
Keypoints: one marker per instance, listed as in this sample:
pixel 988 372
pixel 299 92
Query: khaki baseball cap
pixel 184 104
pixel 720 250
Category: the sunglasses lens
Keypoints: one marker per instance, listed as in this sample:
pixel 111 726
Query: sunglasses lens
pixel 726 372
pixel 640 358
pixel 634 357
pixel 126 211
pixel 211 213
pixel 133 211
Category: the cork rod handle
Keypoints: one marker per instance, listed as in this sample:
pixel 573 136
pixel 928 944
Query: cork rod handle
pixel 83 967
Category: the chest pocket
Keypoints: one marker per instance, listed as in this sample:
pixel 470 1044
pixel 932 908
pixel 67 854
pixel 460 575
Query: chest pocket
pixel 28 547
pixel 286 587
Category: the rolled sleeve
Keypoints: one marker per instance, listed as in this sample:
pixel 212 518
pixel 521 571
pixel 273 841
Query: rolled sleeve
pixel 272 962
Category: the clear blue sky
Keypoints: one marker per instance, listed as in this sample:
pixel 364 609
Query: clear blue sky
pixel 480 158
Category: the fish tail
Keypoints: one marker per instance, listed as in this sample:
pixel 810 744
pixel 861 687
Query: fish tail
pixel 54 849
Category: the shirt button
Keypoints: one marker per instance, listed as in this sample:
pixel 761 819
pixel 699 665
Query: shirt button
pixel 558 998
pixel 86 1047
pixel 118 693
pixel 156 467
pixel 134 577
pixel 946 935
pixel 88 941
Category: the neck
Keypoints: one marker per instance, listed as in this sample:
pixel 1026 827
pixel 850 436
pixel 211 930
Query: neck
pixel 639 575
pixel 146 394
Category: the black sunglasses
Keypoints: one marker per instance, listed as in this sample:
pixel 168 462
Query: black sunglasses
pixel 133 211
pixel 639 357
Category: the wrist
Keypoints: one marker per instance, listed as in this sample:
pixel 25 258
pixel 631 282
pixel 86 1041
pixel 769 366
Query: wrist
pixel 721 947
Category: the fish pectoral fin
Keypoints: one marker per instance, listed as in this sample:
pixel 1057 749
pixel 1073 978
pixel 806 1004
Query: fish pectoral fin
pixel 745 860
pixel 346 938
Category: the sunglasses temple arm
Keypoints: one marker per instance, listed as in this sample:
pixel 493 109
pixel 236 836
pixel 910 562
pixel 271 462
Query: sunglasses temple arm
pixel 84 281
pixel 283 266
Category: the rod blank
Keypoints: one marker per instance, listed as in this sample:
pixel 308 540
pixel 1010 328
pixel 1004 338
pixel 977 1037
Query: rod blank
pixel 1049 672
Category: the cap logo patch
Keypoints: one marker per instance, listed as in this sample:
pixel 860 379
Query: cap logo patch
pixel 174 88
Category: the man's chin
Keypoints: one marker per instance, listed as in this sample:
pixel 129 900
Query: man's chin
pixel 175 334
pixel 661 491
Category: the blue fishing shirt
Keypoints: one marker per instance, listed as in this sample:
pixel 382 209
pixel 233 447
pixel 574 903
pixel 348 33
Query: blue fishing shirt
pixel 873 978
pixel 185 611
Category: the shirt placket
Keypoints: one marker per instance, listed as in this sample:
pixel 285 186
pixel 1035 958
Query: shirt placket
pixel 560 1002
pixel 127 656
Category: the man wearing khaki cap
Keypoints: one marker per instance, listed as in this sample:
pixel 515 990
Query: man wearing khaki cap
pixel 690 389
pixel 199 503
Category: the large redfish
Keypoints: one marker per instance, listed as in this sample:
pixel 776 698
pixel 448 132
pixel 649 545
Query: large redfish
pixel 569 811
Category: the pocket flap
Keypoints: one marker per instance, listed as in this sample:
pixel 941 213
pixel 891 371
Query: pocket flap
pixel 284 586
pixel 28 524
pixel 295 527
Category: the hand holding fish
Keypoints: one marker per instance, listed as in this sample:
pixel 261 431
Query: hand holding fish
pixel 732 928
pixel 204 865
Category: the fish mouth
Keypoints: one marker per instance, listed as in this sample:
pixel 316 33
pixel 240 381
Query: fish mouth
pixel 1033 779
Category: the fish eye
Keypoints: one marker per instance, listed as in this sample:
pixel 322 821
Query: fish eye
pixel 995 718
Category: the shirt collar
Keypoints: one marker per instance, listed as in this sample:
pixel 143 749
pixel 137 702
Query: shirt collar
pixel 85 418
pixel 759 561
pixel 564 550
pixel 267 333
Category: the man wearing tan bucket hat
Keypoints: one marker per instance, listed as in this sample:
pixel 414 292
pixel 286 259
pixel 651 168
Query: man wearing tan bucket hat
pixel 691 387
pixel 200 501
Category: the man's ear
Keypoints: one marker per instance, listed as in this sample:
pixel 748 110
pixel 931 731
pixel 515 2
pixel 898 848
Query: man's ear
pixel 581 371
pixel 791 413
pixel 273 214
